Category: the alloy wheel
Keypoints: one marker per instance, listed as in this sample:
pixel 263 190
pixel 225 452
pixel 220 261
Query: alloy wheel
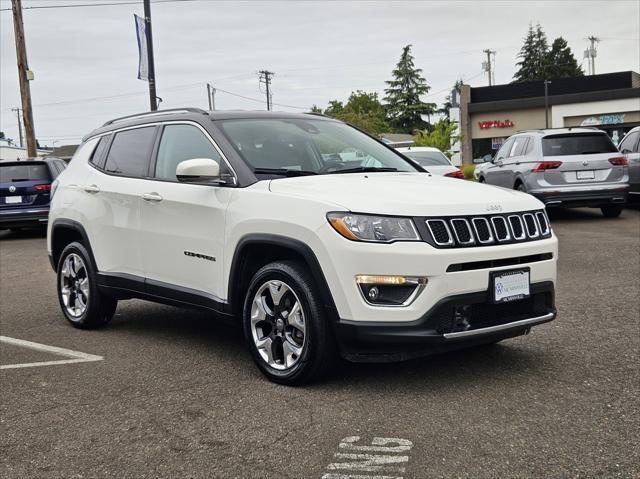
pixel 74 285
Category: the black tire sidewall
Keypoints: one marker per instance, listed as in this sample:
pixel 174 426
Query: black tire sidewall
pixel 315 325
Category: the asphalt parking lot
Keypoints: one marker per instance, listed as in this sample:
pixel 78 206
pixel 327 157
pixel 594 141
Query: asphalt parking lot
pixel 163 392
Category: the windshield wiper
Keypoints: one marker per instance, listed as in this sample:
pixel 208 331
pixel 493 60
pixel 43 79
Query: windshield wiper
pixel 283 172
pixel 360 169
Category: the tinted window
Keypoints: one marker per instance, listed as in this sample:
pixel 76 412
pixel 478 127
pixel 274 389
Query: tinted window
pixel 130 151
pixel 27 171
pixel 97 158
pixel 312 145
pixel 428 158
pixel 630 141
pixel 179 143
pixel 577 144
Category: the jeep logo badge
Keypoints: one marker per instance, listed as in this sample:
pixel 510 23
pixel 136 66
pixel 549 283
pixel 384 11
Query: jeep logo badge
pixel 493 207
pixel 12 189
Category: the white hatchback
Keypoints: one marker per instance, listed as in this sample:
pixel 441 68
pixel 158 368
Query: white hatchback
pixel 432 160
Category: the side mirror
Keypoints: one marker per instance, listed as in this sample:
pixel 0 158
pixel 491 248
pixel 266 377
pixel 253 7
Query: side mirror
pixel 198 170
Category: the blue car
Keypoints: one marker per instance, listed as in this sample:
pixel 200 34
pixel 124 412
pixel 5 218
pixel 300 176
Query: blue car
pixel 25 191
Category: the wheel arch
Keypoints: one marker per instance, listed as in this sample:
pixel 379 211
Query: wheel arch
pixel 256 250
pixel 64 232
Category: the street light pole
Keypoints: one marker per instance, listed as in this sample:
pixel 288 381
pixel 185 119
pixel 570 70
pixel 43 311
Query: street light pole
pixel 153 100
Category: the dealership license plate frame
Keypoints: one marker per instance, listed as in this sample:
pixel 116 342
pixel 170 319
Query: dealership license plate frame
pixel 586 175
pixel 523 294
pixel 12 200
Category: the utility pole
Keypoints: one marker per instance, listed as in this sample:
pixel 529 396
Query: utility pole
pixel 590 53
pixel 18 110
pixel 24 75
pixel 153 100
pixel 546 103
pixel 488 65
pixel 211 96
pixel 265 77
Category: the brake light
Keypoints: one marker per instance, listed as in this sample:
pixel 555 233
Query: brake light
pixel 46 187
pixel 455 174
pixel 546 165
pixel 619 161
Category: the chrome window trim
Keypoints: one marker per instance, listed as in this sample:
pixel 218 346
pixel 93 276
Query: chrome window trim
pixel 535 224
pixel 522 225
pixel 486 222
pixel 472 241
pixel 506 227
pixel 446 226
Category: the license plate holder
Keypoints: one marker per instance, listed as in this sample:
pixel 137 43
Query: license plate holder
pixel 12 200
pixel 586 175
pixel 510 285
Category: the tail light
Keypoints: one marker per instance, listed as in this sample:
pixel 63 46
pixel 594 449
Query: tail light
pixel 46 187
pixel 619 161
pixel 456 174
pixel 546 165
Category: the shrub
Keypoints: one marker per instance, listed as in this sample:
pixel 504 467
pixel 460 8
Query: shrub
pixel 468 171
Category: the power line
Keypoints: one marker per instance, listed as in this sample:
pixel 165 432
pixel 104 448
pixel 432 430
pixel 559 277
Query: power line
pixel 109 4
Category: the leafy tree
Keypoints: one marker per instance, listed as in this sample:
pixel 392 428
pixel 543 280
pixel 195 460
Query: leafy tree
pixel 441 136
pixel 2 137
pixel 404 106
pixel 315 109
pixel 446 106
pixel 533 56
pixel 561 63
pixel 363 110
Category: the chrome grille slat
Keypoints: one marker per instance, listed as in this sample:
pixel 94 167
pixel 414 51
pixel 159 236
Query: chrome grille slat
pixel 543 223
pixel 517 219
pixel 530 224
pixel 481 236
pixel 461 234
pixel 500 219
pixel 435 234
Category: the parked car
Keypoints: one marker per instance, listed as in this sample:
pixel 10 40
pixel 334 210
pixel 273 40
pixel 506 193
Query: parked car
pixel 432 160
pixel 25 187
pixel 481 165
pixel 630 148
pixel 255 216
pixel 567 167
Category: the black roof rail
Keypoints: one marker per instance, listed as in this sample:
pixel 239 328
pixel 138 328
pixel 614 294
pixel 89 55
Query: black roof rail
pixel 158 112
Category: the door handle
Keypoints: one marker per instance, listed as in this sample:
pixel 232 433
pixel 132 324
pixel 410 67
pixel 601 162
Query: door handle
pixel 91 188
pixel 152 197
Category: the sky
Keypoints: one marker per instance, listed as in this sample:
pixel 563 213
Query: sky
pixel 85 59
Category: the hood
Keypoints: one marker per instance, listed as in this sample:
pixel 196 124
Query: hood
pixel 405 194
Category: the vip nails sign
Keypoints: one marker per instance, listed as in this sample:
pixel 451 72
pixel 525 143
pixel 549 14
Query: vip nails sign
pixel 484 125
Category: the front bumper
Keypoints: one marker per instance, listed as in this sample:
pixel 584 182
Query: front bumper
pixel 580 196
pixel 25 217
pixel 453 323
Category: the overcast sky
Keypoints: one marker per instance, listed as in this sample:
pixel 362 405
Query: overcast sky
pixel 319 51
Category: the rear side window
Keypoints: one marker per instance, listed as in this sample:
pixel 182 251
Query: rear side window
pixel 630 142
pixel 519 144
pixel 24 172
pixel 504 149
pixel 179 143
pixel 130 152
pixel 577 144
pixel 97 158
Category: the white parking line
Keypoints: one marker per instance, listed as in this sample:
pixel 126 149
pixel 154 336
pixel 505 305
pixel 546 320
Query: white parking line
pixel 76 356
pixel 358 458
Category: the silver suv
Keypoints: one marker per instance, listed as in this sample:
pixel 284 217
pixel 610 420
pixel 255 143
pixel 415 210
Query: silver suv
pixel 630 148
pixel 568 167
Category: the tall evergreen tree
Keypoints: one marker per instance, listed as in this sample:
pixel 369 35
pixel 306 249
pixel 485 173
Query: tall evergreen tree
pixel 533 56
pixel 561 63
pixel 404 106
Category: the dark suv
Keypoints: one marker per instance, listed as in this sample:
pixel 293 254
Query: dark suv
pixel 25 191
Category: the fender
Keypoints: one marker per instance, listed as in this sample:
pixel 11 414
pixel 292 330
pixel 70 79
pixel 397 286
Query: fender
pixel 77 227
pixel 294 245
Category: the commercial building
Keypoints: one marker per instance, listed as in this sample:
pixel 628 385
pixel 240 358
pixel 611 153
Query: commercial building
pixel 489 115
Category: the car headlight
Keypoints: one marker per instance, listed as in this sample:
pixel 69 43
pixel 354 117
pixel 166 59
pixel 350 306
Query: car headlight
pixel 378 229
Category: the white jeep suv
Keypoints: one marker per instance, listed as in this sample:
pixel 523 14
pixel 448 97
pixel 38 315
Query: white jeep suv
pixel 320 239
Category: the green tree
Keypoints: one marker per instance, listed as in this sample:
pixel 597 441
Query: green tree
pixel 561 63
pixel 315 109
pixel 533 56
pixel 403 103
pixel 363 110
pixel 2 137
pixel 446 106
pixel 441 136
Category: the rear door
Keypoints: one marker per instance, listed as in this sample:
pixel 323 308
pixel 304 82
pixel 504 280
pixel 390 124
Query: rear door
pixel 24 185
pixel 630 148
pixel 512 163
pixel 496 174
pixel 583 157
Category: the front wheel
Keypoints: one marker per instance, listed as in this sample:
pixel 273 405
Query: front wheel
pixel 611 211
pixel 82 303
pixel 285 325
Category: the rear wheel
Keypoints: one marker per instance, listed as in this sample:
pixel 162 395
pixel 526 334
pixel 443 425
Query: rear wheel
pixel 611 211
pixel 481 179
pixel 80 300
pixel 520 187
pixel 285 325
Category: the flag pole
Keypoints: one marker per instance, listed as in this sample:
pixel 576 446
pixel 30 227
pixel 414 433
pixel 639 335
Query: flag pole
pixel 152 73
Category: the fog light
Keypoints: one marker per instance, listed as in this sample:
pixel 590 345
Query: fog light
pixel 387 290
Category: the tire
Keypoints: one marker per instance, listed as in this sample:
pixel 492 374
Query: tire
pixel 520 187
pixel 481 179
pixel 294 351
pixel 80 300
pixel 611 211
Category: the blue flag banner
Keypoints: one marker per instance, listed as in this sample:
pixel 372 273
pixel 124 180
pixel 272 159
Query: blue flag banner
pixel 143 59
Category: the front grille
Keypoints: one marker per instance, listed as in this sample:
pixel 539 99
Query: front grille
pixel 464 231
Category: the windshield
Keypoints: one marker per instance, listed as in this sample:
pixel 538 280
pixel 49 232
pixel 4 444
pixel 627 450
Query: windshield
pixel 577 144
pixel 296 147
pixel 428 158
